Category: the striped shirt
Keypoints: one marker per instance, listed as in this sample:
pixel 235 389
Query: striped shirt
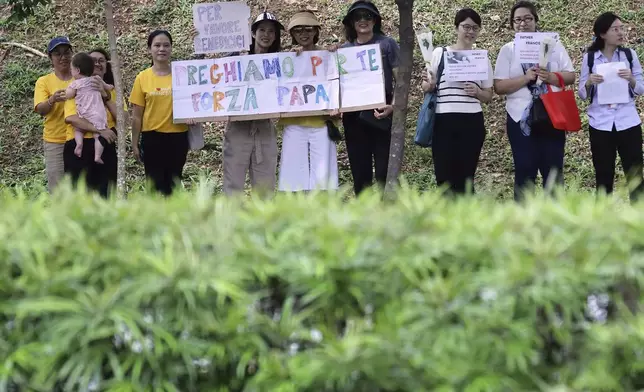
pixel 451 95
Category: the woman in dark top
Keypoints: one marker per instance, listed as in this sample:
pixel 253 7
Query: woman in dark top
pixel 368 133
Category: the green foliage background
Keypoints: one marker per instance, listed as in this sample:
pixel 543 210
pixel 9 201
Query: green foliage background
pixel 21 161
pixel 313 293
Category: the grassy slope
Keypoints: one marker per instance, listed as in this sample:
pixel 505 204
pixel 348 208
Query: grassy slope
pixel 20 147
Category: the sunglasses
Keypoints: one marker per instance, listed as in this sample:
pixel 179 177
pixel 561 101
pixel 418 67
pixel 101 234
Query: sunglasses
pixel 302 29
pixel 363 15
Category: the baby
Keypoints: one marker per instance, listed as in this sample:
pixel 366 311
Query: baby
pixel 89 103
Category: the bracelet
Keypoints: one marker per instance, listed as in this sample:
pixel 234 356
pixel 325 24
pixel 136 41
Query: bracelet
pixel 49 103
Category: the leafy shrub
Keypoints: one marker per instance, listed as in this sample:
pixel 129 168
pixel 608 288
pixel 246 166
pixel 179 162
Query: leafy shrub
pixel 18 82
pixel 311 293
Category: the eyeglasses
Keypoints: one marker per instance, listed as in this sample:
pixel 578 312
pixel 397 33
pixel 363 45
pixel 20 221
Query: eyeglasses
pixel 302 29
pixel 469 28
pixel 363 15
pixel 100 61
pixel 62 53
pixel 526 20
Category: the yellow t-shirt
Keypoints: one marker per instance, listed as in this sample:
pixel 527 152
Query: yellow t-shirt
pixel 70 110
pixel 154 94
pixel 46 86
pixel 309 121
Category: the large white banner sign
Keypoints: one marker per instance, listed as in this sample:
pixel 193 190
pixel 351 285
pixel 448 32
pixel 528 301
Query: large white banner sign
pixel 278 84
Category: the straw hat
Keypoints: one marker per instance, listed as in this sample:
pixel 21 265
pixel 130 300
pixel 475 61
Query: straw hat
pixel 303 18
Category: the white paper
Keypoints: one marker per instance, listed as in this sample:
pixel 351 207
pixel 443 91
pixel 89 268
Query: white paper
pixel 361 91
pixel 527 46
pixel 223 27
pixel 466 65
pixel 426 43
pixel 361 77
pixel 545 53
pixel 613 89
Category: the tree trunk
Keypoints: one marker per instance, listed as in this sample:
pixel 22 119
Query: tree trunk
pixel 118 86
pixel 401 95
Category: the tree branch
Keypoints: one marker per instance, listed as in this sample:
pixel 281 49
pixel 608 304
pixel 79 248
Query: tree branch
pixel 25 47
pixel 401 95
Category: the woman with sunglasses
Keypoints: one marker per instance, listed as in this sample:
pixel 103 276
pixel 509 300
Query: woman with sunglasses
pixel 309 159
pixel 368 133
pixel 533 150
pixel 459 130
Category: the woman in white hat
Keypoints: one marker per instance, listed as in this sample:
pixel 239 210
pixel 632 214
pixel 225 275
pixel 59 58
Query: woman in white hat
pixel 251 146
pixel 309 157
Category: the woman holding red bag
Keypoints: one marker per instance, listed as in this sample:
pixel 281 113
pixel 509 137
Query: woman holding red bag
pixel 534 149
pixel 615 127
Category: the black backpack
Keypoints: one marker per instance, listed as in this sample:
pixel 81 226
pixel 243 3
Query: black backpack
pixel 591 63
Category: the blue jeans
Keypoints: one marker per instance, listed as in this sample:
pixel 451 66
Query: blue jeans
pixel 541 152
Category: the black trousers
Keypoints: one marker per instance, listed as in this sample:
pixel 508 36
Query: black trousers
pixel 99 178
pixel 164 155
pixel 367 146
pixel 605 146
pixel 456 147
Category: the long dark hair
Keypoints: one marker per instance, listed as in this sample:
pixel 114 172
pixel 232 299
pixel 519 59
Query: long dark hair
pixel 109 75
pixel 155 34
pixel 351 34
pixel 601 26
pixel 276 46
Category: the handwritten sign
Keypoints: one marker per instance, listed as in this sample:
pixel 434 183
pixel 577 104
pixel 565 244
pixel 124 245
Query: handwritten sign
pixel 527 46
pixel 278 84
pixel 466 65
pixel 222 27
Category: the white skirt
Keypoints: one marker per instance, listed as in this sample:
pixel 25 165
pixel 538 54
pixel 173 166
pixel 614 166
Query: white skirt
pixel 309 160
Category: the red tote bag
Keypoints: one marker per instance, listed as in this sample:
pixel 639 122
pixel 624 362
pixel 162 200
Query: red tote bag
pixel 562 108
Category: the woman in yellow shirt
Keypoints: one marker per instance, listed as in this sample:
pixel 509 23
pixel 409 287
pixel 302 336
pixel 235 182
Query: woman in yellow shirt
pixel 49 98
pixel 164 145
pixel 98 177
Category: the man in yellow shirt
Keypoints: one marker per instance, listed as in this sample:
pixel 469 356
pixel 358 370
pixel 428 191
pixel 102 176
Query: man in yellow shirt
pixel 49 99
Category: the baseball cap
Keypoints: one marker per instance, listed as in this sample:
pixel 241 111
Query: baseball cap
pixel 361 5
pixel 265 16
pixel 303 18
pixel 54 43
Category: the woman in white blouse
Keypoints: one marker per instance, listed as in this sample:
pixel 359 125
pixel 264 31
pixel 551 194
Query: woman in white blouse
pixel 533 150
pixel 459 130
pixel 613 127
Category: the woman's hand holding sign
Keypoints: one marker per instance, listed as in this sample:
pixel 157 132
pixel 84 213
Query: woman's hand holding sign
pixel 383 112
pixel 472 89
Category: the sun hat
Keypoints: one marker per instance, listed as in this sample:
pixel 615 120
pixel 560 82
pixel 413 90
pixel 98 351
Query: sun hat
pixel 303 18
pixel 361 5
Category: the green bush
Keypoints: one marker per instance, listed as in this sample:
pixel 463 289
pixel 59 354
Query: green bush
pixel 313 293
